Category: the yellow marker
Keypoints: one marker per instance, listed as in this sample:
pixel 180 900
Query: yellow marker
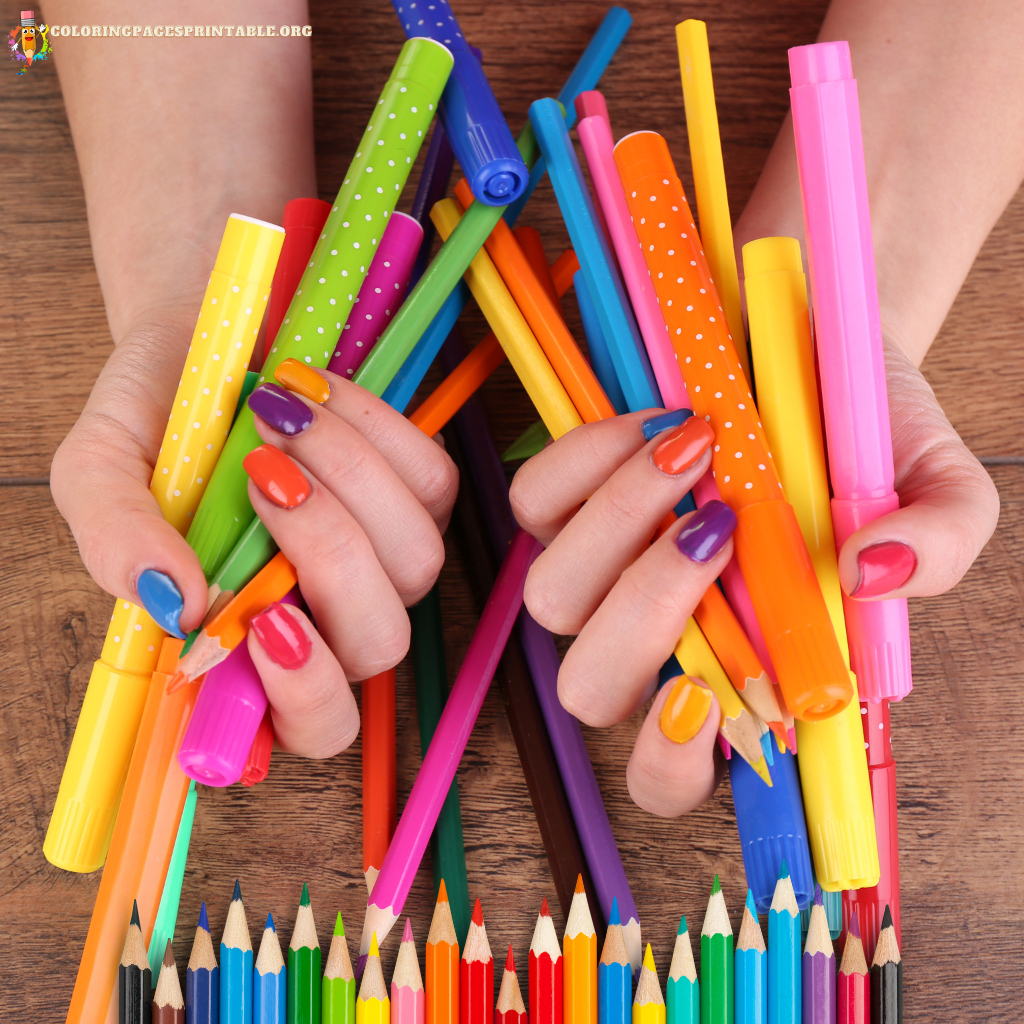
pixel 513 332
pixel 372 1004
pixel 233 306
pixel 739 725
pixel 579 962
pixel 649 1003
pixel 833 766
pixel 709 174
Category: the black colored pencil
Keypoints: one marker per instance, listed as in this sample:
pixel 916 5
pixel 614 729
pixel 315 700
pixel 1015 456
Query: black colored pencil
pixel 887 976
pixel 134 981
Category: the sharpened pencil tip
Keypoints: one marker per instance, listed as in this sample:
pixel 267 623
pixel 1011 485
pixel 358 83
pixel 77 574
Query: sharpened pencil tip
pixel 886 918
pixel 270 924
pixel 682 926
pixel 818 899
pixel 304 900
pixel 751 905
pixel 545 910
pixel 168 960
pixel 339 925
pixel 442 893
pixel 783 871
pixel 374 948
pixel 649 959
pixel 510 961
pixel 613 916
pixel 237 894
pixel 579 884
pixel 478 913
pixel 716 886
pixel 406 931
pixel 854 928
pixel 135 915
pixel 204 921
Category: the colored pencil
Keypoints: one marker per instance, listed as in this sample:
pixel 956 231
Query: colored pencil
pixel 785 991
pixel 546 988
pixel 751 971
pixel 716 961
pixel 236 965
pixel 509 1009
pixel 380 796
pixel 819 969
pixel 408 1002
pixel 202 978
pixel 168 1002
pixel 853 990
pixel 338 988
pixel 614 975
pixel 372 1003
pixel 579 957
pixel 476 974
pixel 270 980
pixel 134 980
pixel 887 976
pixel 304 983
pixel 649 1005
pixel 442 963
pixel 682 1004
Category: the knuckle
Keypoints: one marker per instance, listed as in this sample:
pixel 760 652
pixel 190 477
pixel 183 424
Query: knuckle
pixel 421 565
pixel 439 484
pixel 546 605
pixel 528 507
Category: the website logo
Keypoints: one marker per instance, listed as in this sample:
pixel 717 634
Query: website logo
pixel 28 43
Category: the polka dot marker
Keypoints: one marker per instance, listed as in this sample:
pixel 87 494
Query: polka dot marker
pixel 769 546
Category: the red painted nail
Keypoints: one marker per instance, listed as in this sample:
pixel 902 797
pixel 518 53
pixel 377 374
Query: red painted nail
pixel 683 447
pixel 281 635
pixel 883 568
pixel 276 476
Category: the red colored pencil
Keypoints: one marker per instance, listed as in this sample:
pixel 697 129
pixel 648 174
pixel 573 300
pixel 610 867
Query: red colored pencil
pixel 476 974
pixel 853 1005
pixel 510 1009
pixel 380 798
pixel 545 971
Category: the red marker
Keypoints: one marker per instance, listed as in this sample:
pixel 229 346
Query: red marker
pixel 510 1009
pixel 545 971
pixel 476 974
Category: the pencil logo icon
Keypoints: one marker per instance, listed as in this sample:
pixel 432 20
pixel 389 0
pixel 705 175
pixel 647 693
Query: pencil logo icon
pixel 28 42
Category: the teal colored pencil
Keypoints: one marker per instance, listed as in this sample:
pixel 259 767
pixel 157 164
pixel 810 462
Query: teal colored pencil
pixel 270 980
pixel 785 994
pixel 236 965
pixel 614 975
pixel 751 969
pixel 682 994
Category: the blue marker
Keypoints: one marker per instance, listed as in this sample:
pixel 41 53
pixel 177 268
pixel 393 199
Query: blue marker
pixel 236 965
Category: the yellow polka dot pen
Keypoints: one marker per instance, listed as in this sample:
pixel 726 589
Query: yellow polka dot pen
pixel 94 774
pixel 770 548
pixel 331 281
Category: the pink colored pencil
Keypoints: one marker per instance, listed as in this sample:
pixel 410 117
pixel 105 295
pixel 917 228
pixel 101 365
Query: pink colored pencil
pixel 450 738
pixel 408 1002
pixel 510 1008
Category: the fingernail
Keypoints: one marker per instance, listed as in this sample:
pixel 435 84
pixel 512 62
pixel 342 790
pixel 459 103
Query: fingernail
pixel 276 476
pixel 664 421
pixel 884 567
pixel 161 597
pixel 280 409
pixel 706 531
pixel 683 447
pixel 303 380
pixel 685 711
pixel 282 637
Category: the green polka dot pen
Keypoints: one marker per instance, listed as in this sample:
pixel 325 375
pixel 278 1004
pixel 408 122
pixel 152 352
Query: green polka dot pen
pixel 330 283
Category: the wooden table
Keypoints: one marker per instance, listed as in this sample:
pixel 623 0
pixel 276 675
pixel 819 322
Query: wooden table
pixel 961 823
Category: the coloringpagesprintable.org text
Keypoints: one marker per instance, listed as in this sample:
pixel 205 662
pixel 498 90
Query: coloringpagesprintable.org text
pixel 180 31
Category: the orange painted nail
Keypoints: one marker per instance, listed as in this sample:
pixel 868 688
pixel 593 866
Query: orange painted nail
pixel 303 380
pixel 685 710
pixel 276 476
pixel 683 447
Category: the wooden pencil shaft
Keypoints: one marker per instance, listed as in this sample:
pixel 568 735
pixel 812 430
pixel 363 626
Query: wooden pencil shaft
pixel 546 995
pixel 887 993
pixel 716 979
pixel 134 995
pixel 441 983
pixel 304 986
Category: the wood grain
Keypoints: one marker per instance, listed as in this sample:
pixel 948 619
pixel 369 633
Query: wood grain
pixel 961 825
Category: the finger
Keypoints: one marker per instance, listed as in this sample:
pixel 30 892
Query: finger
pixel 673 767
pixel 314 712
pixel 606 673
pixel 403 535
pixel 949 505
pixel 356 609
pixel 581 564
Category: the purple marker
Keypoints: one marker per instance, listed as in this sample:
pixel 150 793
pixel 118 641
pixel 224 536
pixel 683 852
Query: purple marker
pixel 819 968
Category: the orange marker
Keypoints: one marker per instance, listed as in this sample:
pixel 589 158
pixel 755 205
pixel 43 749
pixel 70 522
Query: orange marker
pixel 380 798
pixel 442 977
pixel 770 548
pixel 533 248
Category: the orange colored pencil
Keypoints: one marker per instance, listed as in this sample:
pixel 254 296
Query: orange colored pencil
pixel 533 248
pixel 441 983
pixel 579 962
pixel 476 974
pixel 380 796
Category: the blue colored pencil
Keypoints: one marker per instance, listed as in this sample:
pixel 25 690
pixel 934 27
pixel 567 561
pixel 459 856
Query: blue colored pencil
pixel 236 965
pixel 751 970
pixel 202 979
pixel 270 980
pixel 784 982
pixel 614 975
pixel 600 357
pixel 682 994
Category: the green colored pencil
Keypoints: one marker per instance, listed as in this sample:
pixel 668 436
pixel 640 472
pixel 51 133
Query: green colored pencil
pixel 716 962
pixel 682 994
pixel 339 984
pixel 304 967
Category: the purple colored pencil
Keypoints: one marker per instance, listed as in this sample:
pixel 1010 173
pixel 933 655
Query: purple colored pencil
pixel 819 968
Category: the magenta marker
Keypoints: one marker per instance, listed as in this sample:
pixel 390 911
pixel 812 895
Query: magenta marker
pixel 226 718
pixel 382 293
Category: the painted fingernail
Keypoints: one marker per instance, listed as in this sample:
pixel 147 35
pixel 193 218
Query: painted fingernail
pixel 884 567
pixel 685 711
pixel 280 409
pixel 303 380
pixel 664 421
pixel 161 597
pixel 276 476
pixel 281 635
pixel 683 447
pixel 706 531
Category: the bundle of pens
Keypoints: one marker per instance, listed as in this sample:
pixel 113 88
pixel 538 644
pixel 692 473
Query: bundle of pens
pixel 660 305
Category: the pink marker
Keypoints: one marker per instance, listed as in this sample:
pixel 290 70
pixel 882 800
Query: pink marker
pixel 408 1001
pixel 596 137
pixel 225 720
pixel 851 362
pixel 383 291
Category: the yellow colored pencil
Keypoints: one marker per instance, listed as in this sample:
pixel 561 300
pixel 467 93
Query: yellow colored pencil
pixel 648 1003
pixel 373 1005
pixel 579 962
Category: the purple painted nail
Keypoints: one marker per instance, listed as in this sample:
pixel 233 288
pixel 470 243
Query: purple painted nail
pixel 280 409
pixel 707 530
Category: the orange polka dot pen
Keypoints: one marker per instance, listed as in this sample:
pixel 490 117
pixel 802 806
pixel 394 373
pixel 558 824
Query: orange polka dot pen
pixel 769 546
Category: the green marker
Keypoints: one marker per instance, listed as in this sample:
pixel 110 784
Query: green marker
pixel 330 283
pixel 682 994
pixel 716 962
pixel 339 983
pixel 304 982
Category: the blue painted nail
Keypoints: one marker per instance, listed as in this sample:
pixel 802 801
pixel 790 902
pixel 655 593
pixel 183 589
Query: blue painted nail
pixel 162 599
pixel 706 531
pixel 664 421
